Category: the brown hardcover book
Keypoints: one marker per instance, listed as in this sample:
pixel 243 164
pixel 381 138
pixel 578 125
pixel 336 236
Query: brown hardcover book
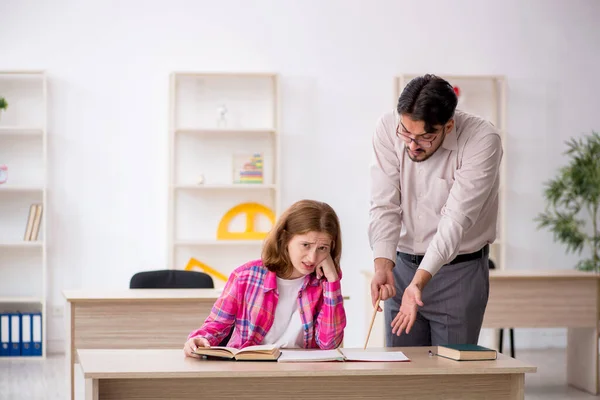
pixel 250 353
pixel 36 223
pixel 30 220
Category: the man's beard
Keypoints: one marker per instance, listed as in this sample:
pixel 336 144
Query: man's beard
pixel 417 160
pixel 428 155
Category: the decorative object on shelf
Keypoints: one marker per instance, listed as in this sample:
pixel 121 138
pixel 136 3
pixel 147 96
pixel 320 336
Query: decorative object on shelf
pixel 3 173
pixel 222 116
pixel 193 263
pixel 456 91
pixel 200 179
pixel 252 210
pixel 459 94
pixel 3 105
pixel 248 168
pixel 573 198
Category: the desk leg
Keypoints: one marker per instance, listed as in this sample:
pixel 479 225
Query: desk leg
pixel 582 359
pixel 517 387
pixel 69 352
pixel 91 389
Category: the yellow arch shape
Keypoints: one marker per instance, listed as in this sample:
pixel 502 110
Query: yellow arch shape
pixel 193 263
pixel 251 210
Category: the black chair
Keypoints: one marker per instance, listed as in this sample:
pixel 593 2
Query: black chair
pixel 511 331
pixel 174 279
pixel 171 279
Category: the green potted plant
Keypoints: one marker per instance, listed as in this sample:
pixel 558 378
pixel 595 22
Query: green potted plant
pixel 573 201
pixel 3 104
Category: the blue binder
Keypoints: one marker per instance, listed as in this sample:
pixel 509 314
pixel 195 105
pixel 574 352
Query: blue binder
pixel 4 335
pixel 36 334
pixel 26 337
pixel 15 334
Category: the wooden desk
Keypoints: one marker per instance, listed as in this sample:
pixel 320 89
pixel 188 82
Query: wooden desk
pixel 541 299
pixel 161 374
pixel 132 319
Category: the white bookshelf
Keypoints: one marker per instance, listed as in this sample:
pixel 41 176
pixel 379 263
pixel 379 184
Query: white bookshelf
pixel 23 149
pixel 483 95
pixel 202 144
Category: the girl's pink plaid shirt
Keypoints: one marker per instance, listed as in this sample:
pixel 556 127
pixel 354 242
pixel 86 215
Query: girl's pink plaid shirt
pixel 249 300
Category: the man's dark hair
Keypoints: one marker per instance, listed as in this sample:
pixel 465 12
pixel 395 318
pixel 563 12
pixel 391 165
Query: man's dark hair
pixel 430 99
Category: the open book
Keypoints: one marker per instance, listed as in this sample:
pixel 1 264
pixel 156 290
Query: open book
pixel 341 354
pixel 250 353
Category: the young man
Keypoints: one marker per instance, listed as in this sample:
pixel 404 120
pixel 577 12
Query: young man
pixel 434 205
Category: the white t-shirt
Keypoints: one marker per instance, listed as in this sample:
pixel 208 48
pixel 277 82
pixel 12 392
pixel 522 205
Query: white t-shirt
pixel 287 331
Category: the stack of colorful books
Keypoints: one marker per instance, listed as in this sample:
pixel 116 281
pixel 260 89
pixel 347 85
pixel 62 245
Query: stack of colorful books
pixel 252 171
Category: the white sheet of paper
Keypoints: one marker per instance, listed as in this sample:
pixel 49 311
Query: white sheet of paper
pixel 309 355
pixel 378 356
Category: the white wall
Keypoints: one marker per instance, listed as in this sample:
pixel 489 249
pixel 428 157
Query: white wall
pixel 108 64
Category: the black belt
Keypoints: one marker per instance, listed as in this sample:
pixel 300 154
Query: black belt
pixel 416 259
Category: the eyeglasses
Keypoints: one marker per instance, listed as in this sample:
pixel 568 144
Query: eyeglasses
pixel 425 143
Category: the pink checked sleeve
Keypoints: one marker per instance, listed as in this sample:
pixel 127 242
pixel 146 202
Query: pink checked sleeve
pixel 331 321
pixel 222 316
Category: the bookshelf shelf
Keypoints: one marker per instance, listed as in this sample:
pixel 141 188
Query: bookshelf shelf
pixel 234 186
pixel 21 131
pixel 20 189
pixel 220 243
pixel 23 149
pixel 21 358
pixel 224 129
pixel 23 244
pixel 224 132
pixel 23 300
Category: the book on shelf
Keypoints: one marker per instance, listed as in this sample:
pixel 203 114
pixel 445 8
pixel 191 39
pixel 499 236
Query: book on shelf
pixel 341 354
pixel 250 353
pixel 32 229
pixel 466 352
pixel 248 168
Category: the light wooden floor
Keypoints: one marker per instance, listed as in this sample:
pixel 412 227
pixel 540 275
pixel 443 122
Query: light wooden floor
pixel 30 379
